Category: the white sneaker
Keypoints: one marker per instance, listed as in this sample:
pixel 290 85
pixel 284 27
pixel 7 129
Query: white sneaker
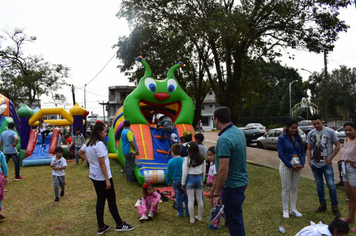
pixel 139 202
pixel 295 213
pixel 285 214
pixel 150 215
pixel 143 218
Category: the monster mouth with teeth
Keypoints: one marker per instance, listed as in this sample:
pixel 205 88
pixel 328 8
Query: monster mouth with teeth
pixel 170 109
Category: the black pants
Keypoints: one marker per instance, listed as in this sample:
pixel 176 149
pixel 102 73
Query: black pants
pixel 102 195
pixel 44 134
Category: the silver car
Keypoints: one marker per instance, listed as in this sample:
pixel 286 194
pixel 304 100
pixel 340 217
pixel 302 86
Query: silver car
pixel 258 126
pixel 270 139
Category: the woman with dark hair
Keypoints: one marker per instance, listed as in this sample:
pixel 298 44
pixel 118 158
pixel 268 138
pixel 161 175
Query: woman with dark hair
pixel 193 172
pixel 96 153
pixel 292 159
pixel 348 158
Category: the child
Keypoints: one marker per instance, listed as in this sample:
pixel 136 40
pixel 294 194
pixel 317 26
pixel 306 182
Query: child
pixel 174 140
pixel 78 140
pixel 150 199
pixel 58 164
pixel 217 212
pixel 199 138
pixel 336 228
pixel 3 181
pixel 211 171
pixel 174 174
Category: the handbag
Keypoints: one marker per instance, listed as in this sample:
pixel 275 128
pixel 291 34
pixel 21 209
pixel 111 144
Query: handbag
pixel 295 161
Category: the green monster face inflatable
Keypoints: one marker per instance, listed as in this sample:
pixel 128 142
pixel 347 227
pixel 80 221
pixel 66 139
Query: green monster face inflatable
pixel 154 96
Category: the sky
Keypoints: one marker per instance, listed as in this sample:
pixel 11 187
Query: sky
pixel 81 34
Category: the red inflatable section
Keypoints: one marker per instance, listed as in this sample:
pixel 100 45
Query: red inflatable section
pixel 144 141
pixel 54 141
pixel 32 142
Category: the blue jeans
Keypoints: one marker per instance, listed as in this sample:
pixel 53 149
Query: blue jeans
pixel 328 172
pixel 169 133
pixel 76 154
pixel 194 182
pixel 180 197
pixel 16 159
pixel 233 199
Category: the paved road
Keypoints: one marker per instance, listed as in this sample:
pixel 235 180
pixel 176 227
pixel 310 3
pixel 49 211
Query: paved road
pixel 266 157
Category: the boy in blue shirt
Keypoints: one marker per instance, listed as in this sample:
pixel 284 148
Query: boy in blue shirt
pixel 174 174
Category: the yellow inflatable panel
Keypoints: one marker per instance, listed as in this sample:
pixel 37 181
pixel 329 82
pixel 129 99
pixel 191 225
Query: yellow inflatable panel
pixel 68 118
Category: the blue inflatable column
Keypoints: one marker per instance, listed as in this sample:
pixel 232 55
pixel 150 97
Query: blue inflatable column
pixel 77 112
pixel 25 114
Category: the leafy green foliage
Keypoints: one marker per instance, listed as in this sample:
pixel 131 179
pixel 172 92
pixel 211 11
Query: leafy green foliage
pixel 223 41
pixel 338 92
pixel 28 77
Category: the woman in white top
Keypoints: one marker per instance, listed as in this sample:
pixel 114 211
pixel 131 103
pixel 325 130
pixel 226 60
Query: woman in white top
pixel 96 153
pixel 192 179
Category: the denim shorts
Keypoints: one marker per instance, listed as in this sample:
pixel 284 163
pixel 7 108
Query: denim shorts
pixel 194 182
pixel 350 175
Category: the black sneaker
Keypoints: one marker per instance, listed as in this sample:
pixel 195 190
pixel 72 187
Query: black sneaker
pixel 215 212
pixel 62 193
pixel 103 230
pixel 56 199
pixel 124 227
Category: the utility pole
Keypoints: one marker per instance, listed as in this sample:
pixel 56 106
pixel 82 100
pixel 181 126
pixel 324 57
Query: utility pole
pixel 325 118
pixel 73 94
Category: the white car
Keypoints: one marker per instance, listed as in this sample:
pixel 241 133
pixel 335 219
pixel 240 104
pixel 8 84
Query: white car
pixel 340 132
pixel 270 139
pixel 260 127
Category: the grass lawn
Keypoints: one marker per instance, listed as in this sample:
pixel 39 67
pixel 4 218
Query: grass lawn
pixel 30 208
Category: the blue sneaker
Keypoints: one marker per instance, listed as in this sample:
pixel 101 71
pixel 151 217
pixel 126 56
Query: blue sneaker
pixel 215 212
pixel 213 227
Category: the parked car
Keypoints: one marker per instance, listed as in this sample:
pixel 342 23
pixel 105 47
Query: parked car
pixel 260 127
pixel 251 134
pixel 270 139
pixel 340 132
pixel 306 125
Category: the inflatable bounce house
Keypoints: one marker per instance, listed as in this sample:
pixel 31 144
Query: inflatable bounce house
pixel 7 115
pixel 38 152
pixel 33 151
pixel 150 97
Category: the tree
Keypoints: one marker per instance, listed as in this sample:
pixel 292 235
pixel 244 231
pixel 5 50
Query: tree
pixel 27 78
pixel 340 89
pixel 228 39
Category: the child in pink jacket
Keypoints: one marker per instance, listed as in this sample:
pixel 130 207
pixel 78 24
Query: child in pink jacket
pixel 150 199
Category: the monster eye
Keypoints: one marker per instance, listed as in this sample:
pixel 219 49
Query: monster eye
pixel 151 84
pixel 171 85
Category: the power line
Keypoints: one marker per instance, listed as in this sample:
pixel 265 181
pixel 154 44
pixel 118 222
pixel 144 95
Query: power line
pixel 100 70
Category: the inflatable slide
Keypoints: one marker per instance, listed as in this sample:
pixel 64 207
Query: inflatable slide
pixel 39 153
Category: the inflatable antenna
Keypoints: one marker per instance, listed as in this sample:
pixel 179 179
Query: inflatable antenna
pixel 171 71
pixel 148 71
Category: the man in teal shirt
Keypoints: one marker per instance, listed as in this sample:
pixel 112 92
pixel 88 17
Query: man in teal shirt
pixel 130 150
pixel 232 176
